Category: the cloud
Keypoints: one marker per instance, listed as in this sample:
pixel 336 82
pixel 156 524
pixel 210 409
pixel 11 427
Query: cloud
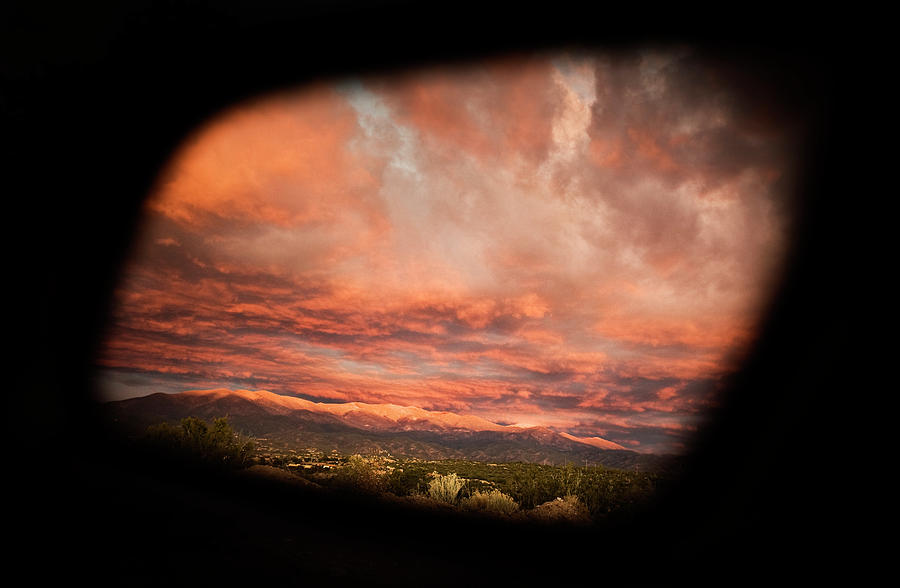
pixel 575 240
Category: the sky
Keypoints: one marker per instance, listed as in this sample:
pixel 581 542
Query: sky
pixel 580 241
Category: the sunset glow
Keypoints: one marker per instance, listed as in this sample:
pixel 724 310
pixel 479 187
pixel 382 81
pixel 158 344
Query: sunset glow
pixel 582 242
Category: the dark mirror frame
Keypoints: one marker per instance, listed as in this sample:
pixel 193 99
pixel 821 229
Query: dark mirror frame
pixel 94 100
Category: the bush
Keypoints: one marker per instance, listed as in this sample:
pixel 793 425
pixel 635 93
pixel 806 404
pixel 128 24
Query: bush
pixel 568 479
pixel 217 443
pixel 445 488
pixel 362 474
pixel 533 484
pixel 569 509
pixel 404 481
pixel 493 502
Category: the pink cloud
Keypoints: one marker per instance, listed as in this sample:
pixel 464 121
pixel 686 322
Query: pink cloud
pixel 562 240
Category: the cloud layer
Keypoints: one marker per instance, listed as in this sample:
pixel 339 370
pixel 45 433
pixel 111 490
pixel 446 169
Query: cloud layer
pixel 577 241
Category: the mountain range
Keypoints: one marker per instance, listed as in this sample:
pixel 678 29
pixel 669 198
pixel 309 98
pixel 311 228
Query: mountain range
pixel 288 422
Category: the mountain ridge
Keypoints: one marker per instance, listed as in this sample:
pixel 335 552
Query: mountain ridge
pixel 355 427
pixel 407 417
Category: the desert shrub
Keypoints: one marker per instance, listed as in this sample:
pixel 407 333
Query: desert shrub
pixel 569 478
pixel 602 490
pixel 445 488
pixel 605 491
pixel 404 481
pixel 493 501
pixel 569 509
pixel 215 443
pixel 532 484
pixel 362 474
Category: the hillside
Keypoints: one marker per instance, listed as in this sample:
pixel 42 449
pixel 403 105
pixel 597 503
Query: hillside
pixel 286 422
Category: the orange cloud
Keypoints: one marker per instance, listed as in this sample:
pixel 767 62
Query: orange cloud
pixel 648 148
pixel 458 109
pixel 606 153
pixel 283 161
pixel 579 242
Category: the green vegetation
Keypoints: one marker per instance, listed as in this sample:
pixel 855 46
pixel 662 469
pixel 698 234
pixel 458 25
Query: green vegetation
pixel 546 492
pixel 366 475
pixel 603 491
pixel 517 489
pixel 215 443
